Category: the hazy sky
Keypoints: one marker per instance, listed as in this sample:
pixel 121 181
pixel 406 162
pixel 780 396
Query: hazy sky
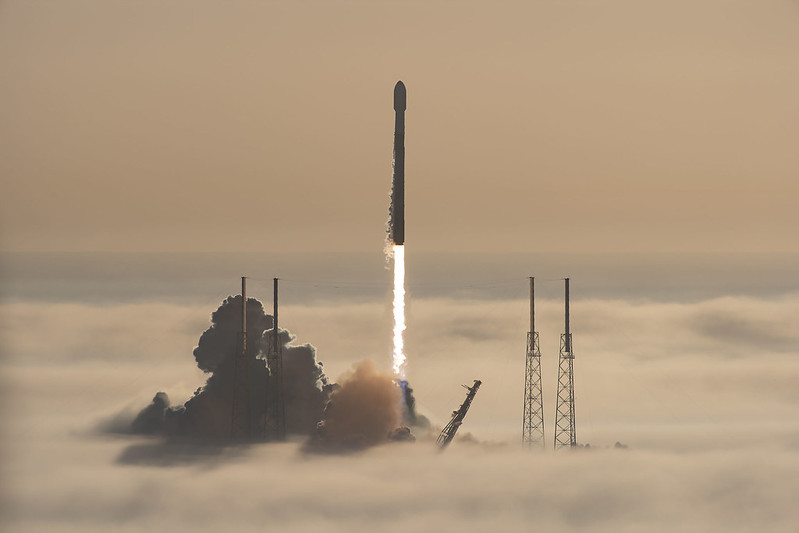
pixel 531 125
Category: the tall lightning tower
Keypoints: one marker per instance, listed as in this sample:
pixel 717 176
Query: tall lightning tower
pixel 241 418
pixel 565 431
pixel 533 416
pixel 275 426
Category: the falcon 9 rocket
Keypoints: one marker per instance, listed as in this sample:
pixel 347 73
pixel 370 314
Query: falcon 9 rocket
pixel 397 209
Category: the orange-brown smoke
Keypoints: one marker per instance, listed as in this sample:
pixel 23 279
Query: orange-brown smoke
pixel 363 411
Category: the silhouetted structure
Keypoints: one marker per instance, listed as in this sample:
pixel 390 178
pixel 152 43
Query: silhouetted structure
pixel 241 417
pixel 457 417
pixel 275 423
pixel 397 209
pixel 533 414
pixel 565 430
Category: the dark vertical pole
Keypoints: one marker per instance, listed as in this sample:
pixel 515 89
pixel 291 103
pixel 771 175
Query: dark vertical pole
pixel 274 337
pixel 241 421
pixel 280 421
pixel 244 356
pixel 532 304
pixel 568 336
pixel 244 315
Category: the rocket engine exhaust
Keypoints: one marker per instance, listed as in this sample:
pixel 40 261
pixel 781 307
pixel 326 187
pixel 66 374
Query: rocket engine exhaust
pixel 399 311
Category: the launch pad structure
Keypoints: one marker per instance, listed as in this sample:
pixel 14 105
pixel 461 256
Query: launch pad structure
pixel 449 431
pixel 533 412
pixel 565 427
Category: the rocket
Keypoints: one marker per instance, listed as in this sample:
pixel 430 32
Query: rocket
pixel 397 209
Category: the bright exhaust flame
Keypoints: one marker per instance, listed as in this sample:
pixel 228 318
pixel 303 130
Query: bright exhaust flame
pixel 399 310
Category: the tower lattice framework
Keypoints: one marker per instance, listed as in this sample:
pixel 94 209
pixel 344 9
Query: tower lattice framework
pixel 533 413
pixel 565 427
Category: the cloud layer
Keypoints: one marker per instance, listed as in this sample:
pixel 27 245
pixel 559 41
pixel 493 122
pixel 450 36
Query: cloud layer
pixel 703 393
pixel 406 487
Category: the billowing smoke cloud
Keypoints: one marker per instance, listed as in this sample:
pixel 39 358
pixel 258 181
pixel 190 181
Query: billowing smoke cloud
pixel 220 341
pixel 207 415
pixel 364 411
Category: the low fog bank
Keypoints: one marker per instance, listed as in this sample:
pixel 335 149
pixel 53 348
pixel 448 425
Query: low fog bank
pixel 703 394
pixel 404 488
pixel 721 364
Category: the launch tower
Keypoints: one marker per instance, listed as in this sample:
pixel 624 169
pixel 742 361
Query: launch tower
pixel 565 431
pixel 533 415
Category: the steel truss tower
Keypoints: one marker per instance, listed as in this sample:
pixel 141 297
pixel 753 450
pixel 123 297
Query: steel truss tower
pixel 241 417
pixel 275 424
pixel 565 431
pixel 533 416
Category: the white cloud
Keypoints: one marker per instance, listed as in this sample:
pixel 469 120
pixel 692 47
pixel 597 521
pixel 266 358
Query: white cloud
pixel 406 487
pixel 710 417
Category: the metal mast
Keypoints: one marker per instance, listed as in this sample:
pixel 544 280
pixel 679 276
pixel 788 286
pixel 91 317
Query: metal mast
pixel 565 431
pixel 241 421
pixel 276 407
pixel 533 416
pixel 457 417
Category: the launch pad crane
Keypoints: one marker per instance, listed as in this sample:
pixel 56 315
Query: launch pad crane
pixel 457 417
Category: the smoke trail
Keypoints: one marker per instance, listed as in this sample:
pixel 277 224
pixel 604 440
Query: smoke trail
pixel 399 311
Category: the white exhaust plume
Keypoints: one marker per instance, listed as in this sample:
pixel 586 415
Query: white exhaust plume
pixel 399 310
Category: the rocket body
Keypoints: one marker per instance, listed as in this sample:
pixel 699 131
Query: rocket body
pixel 397 210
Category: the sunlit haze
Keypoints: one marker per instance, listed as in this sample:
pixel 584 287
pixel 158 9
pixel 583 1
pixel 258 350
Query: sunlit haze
pixel 152 153
pixel 619 125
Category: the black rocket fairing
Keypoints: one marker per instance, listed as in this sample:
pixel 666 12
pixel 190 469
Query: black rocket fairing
pixel 397 209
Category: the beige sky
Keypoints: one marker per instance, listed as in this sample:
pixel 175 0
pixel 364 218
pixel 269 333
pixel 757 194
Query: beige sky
pixel 267 126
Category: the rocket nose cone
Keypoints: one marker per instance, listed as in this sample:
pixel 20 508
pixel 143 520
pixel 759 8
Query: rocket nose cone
pixel 399 96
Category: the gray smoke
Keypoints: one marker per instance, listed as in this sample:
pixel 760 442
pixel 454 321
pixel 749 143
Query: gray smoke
pixel 151 419
pixel 206 416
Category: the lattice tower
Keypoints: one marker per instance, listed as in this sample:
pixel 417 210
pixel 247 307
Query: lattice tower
pixel 533 412
pixel 565 427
